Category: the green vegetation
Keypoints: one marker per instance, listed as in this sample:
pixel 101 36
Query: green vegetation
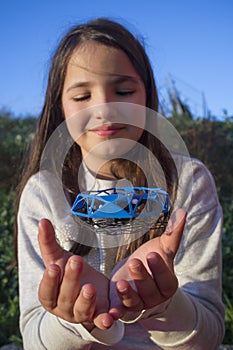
pixel 208 139
pixel 14 139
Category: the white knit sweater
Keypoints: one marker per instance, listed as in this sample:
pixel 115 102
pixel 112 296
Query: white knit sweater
pixel 195 317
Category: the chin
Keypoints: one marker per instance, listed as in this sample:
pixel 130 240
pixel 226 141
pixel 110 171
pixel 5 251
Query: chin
pixel 115 148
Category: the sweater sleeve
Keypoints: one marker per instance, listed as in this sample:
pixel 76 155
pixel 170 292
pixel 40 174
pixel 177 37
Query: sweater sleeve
pixel 194 318
pixel 40 328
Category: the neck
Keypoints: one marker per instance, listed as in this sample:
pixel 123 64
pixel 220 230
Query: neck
pixel 101 169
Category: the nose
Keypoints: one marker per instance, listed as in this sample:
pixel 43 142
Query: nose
pixel 103 94
pixel 105 112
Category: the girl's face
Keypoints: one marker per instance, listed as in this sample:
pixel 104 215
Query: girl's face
pixel 97 75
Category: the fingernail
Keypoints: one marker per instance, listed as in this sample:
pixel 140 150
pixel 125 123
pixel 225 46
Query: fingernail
pixel 87 295
pixel 151 256
pixel 52 272
pixel 116 313
pixel 135 267
pixel 74 264
pixel 169 229
pixel 175 220
pixel 122 290
pixel 107 322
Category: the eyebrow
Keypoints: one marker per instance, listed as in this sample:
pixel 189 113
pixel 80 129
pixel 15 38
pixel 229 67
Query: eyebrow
pixel 118 79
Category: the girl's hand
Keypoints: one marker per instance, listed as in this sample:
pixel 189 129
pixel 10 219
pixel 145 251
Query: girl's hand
pixel 70 288
pixel 147 278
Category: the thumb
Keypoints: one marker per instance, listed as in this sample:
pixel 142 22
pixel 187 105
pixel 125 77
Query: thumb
pixel 51 251
pixel 171 238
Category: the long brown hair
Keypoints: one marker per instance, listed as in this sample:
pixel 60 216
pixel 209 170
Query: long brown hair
pixel 112 34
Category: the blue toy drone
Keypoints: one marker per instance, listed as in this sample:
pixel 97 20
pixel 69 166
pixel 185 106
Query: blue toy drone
pixel 121 203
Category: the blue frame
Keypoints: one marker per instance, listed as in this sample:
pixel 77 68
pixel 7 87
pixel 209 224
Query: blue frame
pixel 119 203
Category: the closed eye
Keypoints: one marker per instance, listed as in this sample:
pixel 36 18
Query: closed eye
pixel 81 98
pixel 125 92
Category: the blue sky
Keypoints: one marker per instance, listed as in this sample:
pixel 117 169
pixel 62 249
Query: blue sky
pixel 188 41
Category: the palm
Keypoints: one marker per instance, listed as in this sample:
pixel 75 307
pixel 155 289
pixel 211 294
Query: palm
pixel 63 295
pixel 162 251
pixel 101 283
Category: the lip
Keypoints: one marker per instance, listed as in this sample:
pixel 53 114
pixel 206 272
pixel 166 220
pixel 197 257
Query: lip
pixel 107 130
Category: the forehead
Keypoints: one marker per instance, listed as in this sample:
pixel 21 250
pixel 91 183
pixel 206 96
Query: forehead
pixel 100 59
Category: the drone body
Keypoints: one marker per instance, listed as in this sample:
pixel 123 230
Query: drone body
pixel 121 203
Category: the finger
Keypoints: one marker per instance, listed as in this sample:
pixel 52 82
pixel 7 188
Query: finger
pixel 117 312
pixel 104 320
pixel 49 287
pixel 170 240
pixel 85 304
pixel 128 296
pixel 85 309
pixel 51 251
pixel 165 279
pixel 145 283
pixel 70 286
pixel 116 309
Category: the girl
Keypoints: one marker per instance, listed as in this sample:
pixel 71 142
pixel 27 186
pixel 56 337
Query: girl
pixel 153 292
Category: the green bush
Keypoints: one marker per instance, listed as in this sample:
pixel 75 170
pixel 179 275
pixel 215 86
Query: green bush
pixel 9 309
pixel 227 280
pixel 208 140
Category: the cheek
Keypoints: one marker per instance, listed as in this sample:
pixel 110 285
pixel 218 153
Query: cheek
pixel 77 124
pixel 135 117
pixel 81 141
pixel 136 133
pixel 70 107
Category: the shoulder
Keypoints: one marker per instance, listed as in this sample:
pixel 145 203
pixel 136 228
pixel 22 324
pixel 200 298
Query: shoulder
pixel 204 188
pixel 42 191
pixel 196 187
pixel 202 173
pixel 42 183
pixel 193 169
pixel 44 197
